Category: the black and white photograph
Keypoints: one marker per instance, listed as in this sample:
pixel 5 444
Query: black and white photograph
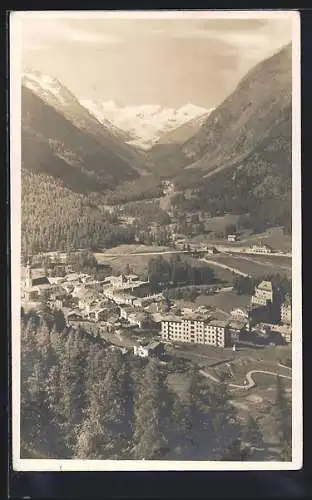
pixel 156 240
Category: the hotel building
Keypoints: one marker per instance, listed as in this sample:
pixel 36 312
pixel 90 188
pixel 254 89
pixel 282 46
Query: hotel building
pixel 195 330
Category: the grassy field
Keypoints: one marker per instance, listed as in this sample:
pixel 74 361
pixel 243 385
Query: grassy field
pixel 255 401
pixel 278 260
pixel 242 361
pixel 221 275
pixel 238 368
pixel 137 263
pixel 273 237
pixel 121 256
pixel 260 265
pixel 178 382
pixel 252 265
pixel 220 223
pixel 225 301
pixel 200 354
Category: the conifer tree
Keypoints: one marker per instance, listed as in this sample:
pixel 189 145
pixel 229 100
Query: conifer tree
pixel 282 415
pixel 252 435
pixel 59 320
pixel 192 405
pixel 72 380
pixel 151 416
pixel 43 340
pixel 226 428
pixel 236 451
pixel 34 409
pixel 105 431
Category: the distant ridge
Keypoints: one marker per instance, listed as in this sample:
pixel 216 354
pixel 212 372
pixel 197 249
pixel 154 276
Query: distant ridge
pixel 144 124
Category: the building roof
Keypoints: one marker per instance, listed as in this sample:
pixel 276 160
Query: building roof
pixel 260 245
pixel 236 324
pixel 243 309
pixel 215 322
pixel 59 297
pixel 170 317
pixel 42 280
pixel 138 315
pixel 154 344
pixel 37 266
pixel 72 277
pixel 265 285
pixel 126 307
pixel 74 313
pixel 196 316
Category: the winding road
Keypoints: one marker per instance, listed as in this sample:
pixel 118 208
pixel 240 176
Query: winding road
pixel 250 381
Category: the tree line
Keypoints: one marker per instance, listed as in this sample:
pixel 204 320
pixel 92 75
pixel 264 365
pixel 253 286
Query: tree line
pixel 244 285
pixel 176 271
pixel 261 189
pixel 80 399
pixel 54 218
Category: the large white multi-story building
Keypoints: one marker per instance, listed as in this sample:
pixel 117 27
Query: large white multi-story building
pixel 286 313
pixel 196 330
pixel 261 249
pixel 264 294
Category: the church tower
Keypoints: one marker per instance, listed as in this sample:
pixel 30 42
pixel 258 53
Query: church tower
pixel 28 276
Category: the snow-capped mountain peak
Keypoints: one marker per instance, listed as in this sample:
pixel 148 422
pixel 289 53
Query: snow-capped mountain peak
pixel 47 87
pixel 145 123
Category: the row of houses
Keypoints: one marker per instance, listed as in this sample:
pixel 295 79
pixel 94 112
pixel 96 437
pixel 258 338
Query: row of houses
pixel 266 308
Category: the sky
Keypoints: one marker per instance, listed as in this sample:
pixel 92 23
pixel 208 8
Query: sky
pixel 169 62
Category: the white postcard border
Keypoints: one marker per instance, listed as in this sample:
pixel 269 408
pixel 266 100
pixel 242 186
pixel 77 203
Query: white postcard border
pixel 15 192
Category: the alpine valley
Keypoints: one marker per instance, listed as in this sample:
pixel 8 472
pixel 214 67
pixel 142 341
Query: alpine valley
pixel 79 156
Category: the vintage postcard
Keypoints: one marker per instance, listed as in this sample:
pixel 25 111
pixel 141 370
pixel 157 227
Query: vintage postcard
pixel 156 240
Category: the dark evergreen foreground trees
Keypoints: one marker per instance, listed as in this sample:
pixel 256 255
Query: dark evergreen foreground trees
pixel 81 400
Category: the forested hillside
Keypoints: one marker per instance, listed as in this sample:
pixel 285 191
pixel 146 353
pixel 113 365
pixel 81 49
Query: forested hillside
pixel 241 158
pixel 261 185
pixel 251 113
pixel 57 218
pixel 54 145
pixel 81 400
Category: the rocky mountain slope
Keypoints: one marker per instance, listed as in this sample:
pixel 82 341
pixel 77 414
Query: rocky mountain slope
pixel 61 138
pixel 251 115
pixel 184 132
pixel 240 160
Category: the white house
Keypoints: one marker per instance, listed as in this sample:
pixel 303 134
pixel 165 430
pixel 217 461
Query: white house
pixel 232 237
pixel 152 349
pixel 140 351
pixel 211 250
pixel 261 249
pixel 240 313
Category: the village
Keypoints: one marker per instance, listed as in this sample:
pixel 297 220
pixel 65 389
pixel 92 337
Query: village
pixel 127 313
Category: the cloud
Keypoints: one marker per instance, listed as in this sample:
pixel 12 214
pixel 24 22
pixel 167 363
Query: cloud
pixel 44 33
pixel 226 29
pixel 250 39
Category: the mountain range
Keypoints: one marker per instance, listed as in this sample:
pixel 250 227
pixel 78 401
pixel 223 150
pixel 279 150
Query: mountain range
pixel 240 160
pixel 144 124
pixel 235 158
pixel 61 138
